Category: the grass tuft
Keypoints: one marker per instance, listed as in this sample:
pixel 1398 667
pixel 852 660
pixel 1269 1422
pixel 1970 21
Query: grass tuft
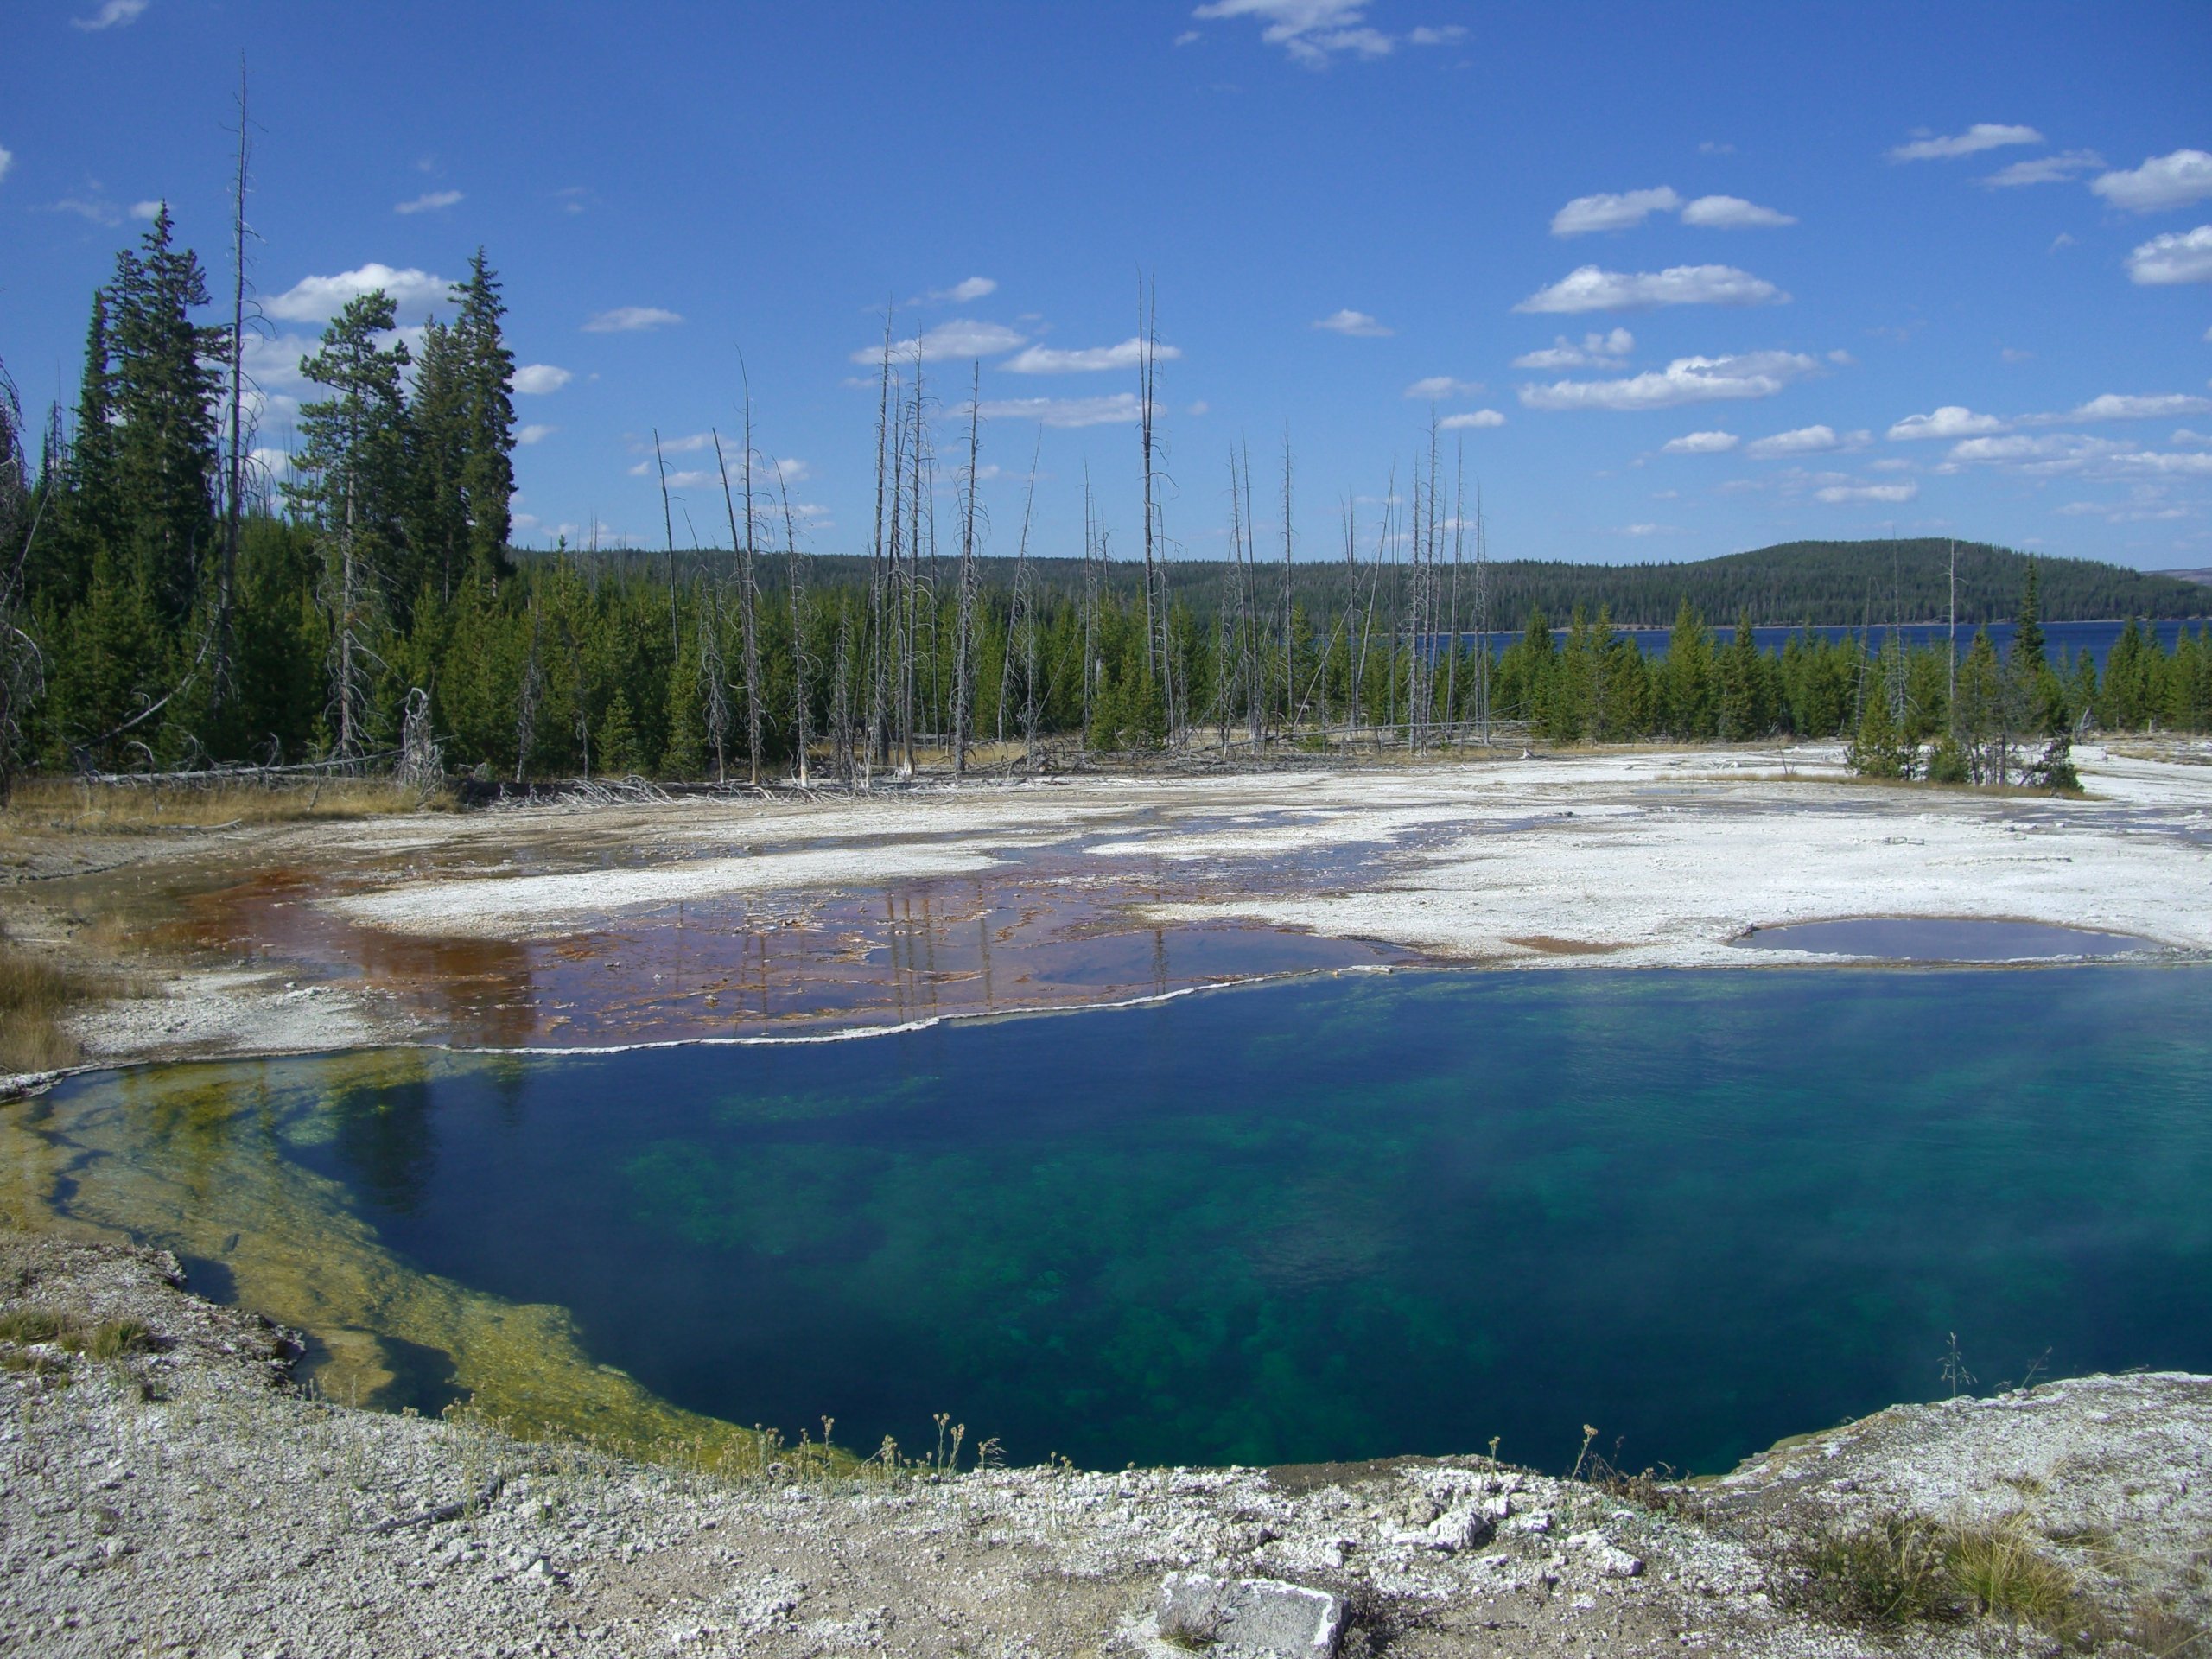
pixel 62 803
pixel 35 995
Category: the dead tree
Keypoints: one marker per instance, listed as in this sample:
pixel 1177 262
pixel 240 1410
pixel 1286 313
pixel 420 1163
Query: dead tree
pixel 964 622
pixel 712 676
pixel 234 483
pixel 526 700
pixel 747 589
pixel 22 664
pixel 799 711
pixel 1289 638
pixel 1091 552
pixel 668 524
pixel 879 733
pixel 1458 542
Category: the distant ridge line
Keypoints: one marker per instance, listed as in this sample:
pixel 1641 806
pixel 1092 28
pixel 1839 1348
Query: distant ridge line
pixel 1828 584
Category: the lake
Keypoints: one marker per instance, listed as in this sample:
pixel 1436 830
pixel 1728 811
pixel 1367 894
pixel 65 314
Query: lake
pixel 1330 1218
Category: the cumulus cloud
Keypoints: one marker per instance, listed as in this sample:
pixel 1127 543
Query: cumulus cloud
pixel 2114 406
pixel 1590 289
pixel 536 432
pixel 1685 380
pixel 1983 135
pixel 1434 386
pixel 1952 421
pixel 964 292
pixel 429 202
pixel 2043 169
pixel 1120 409
pixel 1474 419
pixel 7 160
pixel 536 379
pixel 962 337
pixel 1890 493
pixel 630 320
pixel 112 14
pixel 1733 213
pixel 1348 321
pixel 2176 256
pixel 1612 213
pixel 2161 182
pixel 1596 352
pixel 1045 359
pixel 148 210
pixel 1701 443
pixel 1314 31
pixel 1805 441
pixel 317 299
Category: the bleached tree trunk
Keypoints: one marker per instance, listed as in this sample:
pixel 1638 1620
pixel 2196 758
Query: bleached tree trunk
pixel 964 622
pixel 226 587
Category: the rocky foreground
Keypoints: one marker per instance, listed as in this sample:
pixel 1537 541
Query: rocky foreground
pixel 164 1489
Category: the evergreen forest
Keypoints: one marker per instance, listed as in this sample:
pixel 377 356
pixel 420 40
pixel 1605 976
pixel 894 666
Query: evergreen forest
pixel 167 607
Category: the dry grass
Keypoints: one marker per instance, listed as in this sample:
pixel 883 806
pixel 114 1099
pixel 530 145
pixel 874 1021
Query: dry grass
pixel 1903 1570
pixel 62 803
pixel 34 996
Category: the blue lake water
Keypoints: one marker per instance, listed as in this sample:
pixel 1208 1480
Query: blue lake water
pixel 2061 640
pixel 1334 1218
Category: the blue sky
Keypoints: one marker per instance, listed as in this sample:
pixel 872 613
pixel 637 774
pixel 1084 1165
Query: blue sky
pixel 1678 280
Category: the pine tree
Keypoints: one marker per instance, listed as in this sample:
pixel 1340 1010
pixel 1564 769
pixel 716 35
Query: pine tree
pixel 166 394
pixel 487 420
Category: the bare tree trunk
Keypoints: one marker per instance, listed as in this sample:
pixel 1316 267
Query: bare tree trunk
pixel 533 688
pixel 799 733
pixel 226 586
pixel 1090 612
pixel 668 525
pixel 879 735
pixel 964 621
pixel 911 618
pixel 1289 639
pixel 1459 544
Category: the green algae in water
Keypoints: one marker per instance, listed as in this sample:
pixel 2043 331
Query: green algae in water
pixel 1333 1219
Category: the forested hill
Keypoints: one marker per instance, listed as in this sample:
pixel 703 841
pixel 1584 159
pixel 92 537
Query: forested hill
pixel 1831 583
pixel 1844 583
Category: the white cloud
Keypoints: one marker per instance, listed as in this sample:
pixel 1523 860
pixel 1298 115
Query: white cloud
pixel 1120 409
pixel 1435 386
pixel 1805 441
pixel 536 432
pixel 2115 406
pixel 1349 321
pixel 428 201
pixel 1590 289
pixel 1315 31
pixel 2043 169
pixel 2161 182
pixel 316 299
pixel 1983 135
pixel 1952 421
pixel 1733 213
pixel 1890 493
pixel 630 320
pixel 149 210
pixel 1685 380
pixel 7 160
pixel 2176 256
pixel 1474 418
pixel 99 212
pixel 1189 37
pixel 962 337
pixel 1596 352
pixel 111 14
pixel 1612 213
pixel 1701 443
pixel 1200 407
pixel 964 292
pixel 1043 359
pixel 536 379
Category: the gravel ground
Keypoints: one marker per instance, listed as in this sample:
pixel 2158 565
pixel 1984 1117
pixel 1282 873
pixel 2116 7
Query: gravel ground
pixel 181 1497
